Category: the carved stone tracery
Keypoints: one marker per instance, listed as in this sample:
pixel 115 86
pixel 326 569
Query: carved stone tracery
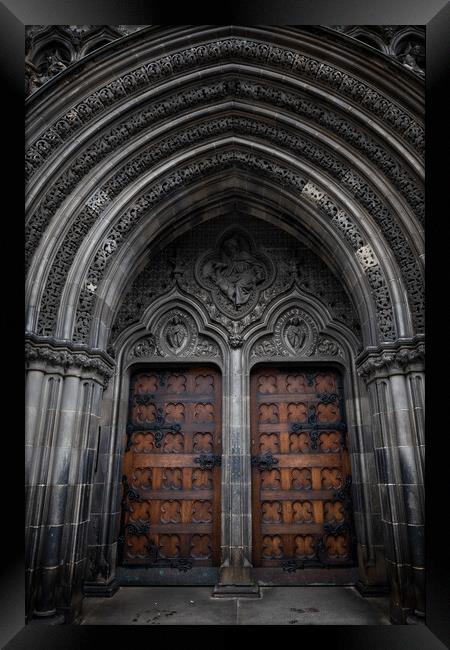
pixel 283 175
pixel 233 48
pixel 111 140
pixel 175 335
pixel 355 183
pixel 310 343
pixel 290 266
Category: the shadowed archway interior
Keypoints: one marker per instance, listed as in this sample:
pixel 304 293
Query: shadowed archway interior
pixel 228 196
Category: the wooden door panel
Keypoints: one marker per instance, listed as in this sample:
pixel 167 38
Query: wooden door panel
pixel 171 471
pixel 301 472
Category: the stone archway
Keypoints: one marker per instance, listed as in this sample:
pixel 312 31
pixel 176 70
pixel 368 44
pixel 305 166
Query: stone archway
pixel 138 155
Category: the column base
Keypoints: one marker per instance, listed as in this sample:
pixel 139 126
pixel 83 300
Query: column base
pixel 236 591
pixel 99 589
pixel 236 582
pixel 44 619
pixel 371 590
pixel 415 618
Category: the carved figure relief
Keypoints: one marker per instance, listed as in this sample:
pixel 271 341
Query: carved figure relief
pixel 235 274
pixel 176 333
pixel 234 278
pixel 295 333
pixel 146 347
pixel 414 58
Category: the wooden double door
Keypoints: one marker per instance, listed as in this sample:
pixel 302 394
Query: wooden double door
pixel 301 504
pixel 171 471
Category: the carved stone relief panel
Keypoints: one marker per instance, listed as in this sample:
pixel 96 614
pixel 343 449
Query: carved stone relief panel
pixel 235 275
pixel 145 347
pixel 295 334
pixel 175 335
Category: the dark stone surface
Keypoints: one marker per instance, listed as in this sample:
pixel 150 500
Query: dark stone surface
pixel 407 464
pixel 195 606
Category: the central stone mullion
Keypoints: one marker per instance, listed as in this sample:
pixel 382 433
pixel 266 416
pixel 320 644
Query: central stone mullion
pixel 235 576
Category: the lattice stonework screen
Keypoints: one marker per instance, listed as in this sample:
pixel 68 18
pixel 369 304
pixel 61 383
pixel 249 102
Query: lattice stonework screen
pixel 301 470
pixel 171 496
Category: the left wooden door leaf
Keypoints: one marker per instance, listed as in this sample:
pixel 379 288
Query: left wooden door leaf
pixel 171 471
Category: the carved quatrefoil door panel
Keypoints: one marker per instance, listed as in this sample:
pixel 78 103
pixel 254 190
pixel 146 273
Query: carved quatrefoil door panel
pixel 171 475
pixel 300 470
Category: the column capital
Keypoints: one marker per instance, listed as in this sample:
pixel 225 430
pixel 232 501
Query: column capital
pixel 45 353
pixel 401 356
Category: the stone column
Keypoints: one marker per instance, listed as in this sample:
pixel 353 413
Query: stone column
pixel 394 374
pixel 106 499
pixel 366 504
pixel 63 396
pixel 235 571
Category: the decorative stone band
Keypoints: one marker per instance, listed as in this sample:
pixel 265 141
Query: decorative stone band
pixel 65 355
pixel 237 49
pixel 402 356
pixel 232 88
pixel 283 175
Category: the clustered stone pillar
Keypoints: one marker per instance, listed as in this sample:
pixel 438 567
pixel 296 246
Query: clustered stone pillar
pixel 366 506
pixel 106 499
pixel 63 396
pixel 235 571
pixel 394 375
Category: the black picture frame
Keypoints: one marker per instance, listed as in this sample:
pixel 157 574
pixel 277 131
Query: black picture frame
pixel 14 15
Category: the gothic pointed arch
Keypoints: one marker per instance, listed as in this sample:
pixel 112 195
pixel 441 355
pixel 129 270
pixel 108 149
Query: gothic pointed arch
pixel 239 197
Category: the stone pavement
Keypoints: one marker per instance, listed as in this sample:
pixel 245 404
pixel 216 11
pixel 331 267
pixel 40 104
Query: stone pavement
pixel 276 606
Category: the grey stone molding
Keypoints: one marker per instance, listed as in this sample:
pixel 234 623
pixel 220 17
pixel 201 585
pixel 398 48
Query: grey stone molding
pixel 66 354
pixel 137 166
pixel 70 43
pixel 402 355
pixel 231 48
pixel 390 201
pixel 232 87
pixel 128 220
pixel 154 346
